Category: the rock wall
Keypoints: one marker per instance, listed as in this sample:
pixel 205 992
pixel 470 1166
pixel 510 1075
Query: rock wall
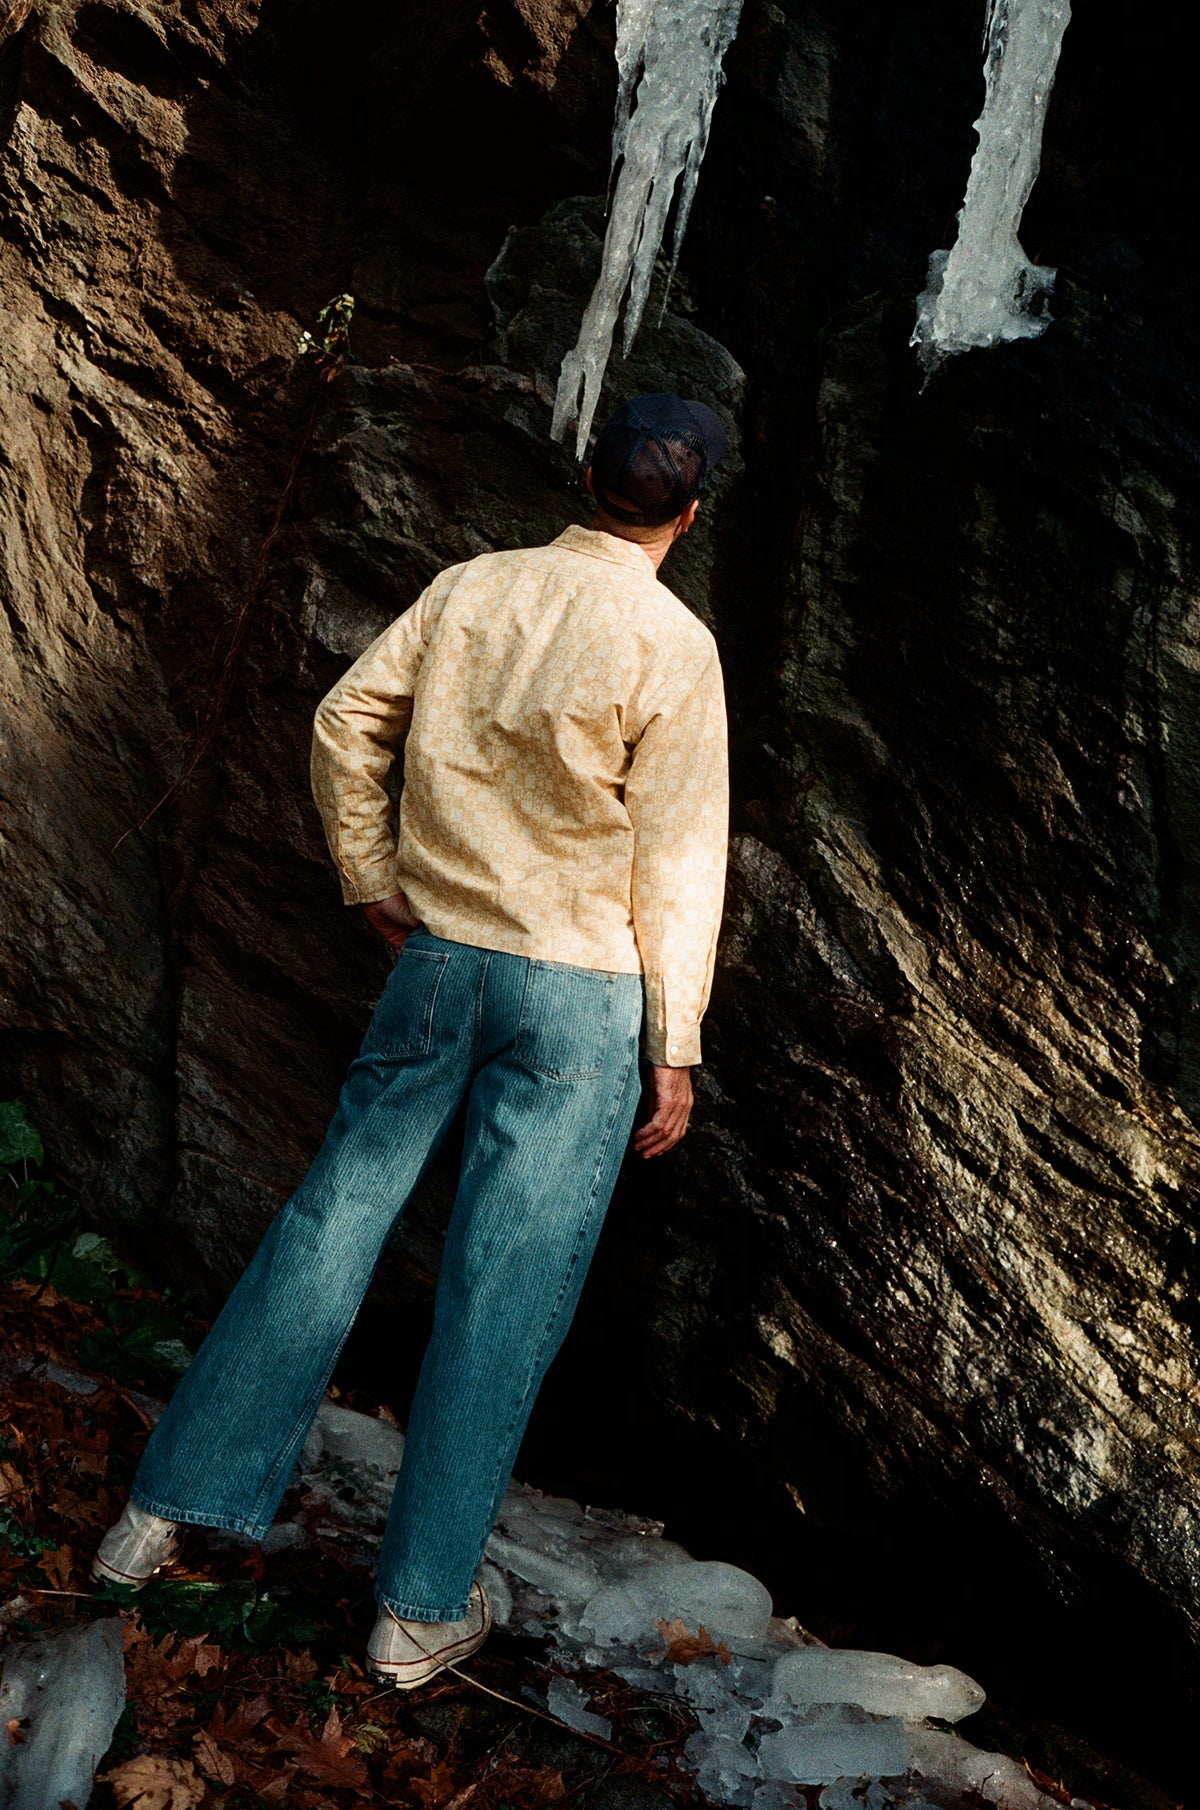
pixel 916 1301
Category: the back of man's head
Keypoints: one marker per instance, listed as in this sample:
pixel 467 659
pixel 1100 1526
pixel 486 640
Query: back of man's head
pixel 651 460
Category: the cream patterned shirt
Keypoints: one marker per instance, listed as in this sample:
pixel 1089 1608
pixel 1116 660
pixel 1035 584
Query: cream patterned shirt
pixel 565 787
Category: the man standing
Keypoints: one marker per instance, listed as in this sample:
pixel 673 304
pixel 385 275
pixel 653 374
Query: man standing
pixel 555 887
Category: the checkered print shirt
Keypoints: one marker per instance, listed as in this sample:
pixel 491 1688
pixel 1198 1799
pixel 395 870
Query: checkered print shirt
pixel 565 789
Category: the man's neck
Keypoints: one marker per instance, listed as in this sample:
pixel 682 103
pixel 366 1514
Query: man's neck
pixel 655 543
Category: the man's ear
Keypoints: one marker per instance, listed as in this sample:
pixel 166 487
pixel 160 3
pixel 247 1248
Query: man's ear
pixel 688 517
pixel 588 481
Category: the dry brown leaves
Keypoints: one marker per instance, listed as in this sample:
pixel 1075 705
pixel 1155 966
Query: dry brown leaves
pixel 156 1675
pixel 330 1758
pixel 302 1728
pixel 683 1647
pixel 152 1782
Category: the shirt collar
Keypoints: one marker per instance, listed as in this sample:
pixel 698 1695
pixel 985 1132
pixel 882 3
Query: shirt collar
pixel 606 546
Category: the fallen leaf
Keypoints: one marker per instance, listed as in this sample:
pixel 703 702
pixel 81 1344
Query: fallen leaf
pixel 298 1668
pixel 438 1788
pixel 151 1782
pixel 416 1751
pixel 82 1512
pixel 464 1796
pixel 683 1647
pixel 149 1683
pixel 15 1733
pixel 197 1654
pixel 530 1786
pixel 233 1730
pixel 11 1482
pixel 274 1790
pixel 330 1759
pixel 255 1565
pixel 216 1764
pixel 57 1565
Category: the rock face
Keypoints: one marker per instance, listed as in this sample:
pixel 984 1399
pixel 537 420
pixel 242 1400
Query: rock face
pixel 917 1300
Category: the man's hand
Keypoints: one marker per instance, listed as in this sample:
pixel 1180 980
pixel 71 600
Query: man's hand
pixel 672 1099
pixel 393 919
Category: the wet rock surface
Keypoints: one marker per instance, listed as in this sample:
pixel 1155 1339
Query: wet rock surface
pixel 908 1326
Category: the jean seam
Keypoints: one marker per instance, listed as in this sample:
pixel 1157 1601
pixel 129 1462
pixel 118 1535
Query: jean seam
pixel 477 1033
pixel 584 1221
pixel 304 1420
pixel 190 1517
pixel 421 1611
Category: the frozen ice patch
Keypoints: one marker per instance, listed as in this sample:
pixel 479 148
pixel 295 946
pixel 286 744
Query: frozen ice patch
pixel 878 1682
pixel 63 1694
pixel 834 1741
pixel 707 1593
pixel 669 58
pixel 985 289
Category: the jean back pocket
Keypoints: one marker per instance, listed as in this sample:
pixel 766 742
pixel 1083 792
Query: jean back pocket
pixel 403 1021
pixel 566 1021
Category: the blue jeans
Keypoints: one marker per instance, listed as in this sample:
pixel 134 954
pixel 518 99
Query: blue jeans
pixel 545 1057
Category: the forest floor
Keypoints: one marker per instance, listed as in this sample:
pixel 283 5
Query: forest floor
pixel 243 1671
pixel 244 1675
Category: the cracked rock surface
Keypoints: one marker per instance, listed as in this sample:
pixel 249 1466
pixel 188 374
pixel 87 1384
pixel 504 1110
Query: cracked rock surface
pixel 909 1325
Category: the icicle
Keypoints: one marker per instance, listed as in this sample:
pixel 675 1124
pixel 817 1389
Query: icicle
pixel 670 52
pixel 985 289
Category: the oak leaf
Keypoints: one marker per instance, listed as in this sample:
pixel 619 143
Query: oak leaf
pixel 148 1682
pixel 234 1730
pixel 211 1760
pixel 438 1788
pixel 57 1565
pixel 683 1647
pixel 330 1758
pixel 197 1654
pixel 407 1756
pixel 152 1782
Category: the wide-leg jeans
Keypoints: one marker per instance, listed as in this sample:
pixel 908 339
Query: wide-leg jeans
pixel 545 1057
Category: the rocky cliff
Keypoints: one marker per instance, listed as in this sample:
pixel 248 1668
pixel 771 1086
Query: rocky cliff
pixel 909 1324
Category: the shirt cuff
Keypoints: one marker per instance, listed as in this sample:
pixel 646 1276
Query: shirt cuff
pixel 667 1042
pixel 366 886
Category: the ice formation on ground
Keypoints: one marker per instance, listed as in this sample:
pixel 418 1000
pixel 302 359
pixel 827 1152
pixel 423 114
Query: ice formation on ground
pixel 985 289
pixel 670 52
pixel 779 1711
pixel 774 1708
pixel 64 1693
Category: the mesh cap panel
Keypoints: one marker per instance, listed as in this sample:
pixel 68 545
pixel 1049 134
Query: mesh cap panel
pixel 650 461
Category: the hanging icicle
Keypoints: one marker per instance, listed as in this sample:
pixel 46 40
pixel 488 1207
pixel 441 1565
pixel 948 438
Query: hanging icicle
pixel 985 289
pixel 670 52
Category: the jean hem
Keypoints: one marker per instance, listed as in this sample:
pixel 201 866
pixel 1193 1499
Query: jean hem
pixel 191 1517
pixel 406 1611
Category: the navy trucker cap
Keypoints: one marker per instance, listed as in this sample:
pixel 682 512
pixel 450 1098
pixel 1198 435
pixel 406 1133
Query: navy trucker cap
pixel 652 458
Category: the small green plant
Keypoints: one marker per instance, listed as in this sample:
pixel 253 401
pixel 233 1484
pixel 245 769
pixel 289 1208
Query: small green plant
pixel 43 1241
pixel 20 1541
pixel 35 1218
pixel 330 345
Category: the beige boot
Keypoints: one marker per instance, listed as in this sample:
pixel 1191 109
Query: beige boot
pixel 408 1653
pixel 134 1548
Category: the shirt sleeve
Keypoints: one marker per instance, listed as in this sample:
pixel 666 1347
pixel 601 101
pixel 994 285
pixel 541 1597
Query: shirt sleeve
pixel 358 729
pixel 677 796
